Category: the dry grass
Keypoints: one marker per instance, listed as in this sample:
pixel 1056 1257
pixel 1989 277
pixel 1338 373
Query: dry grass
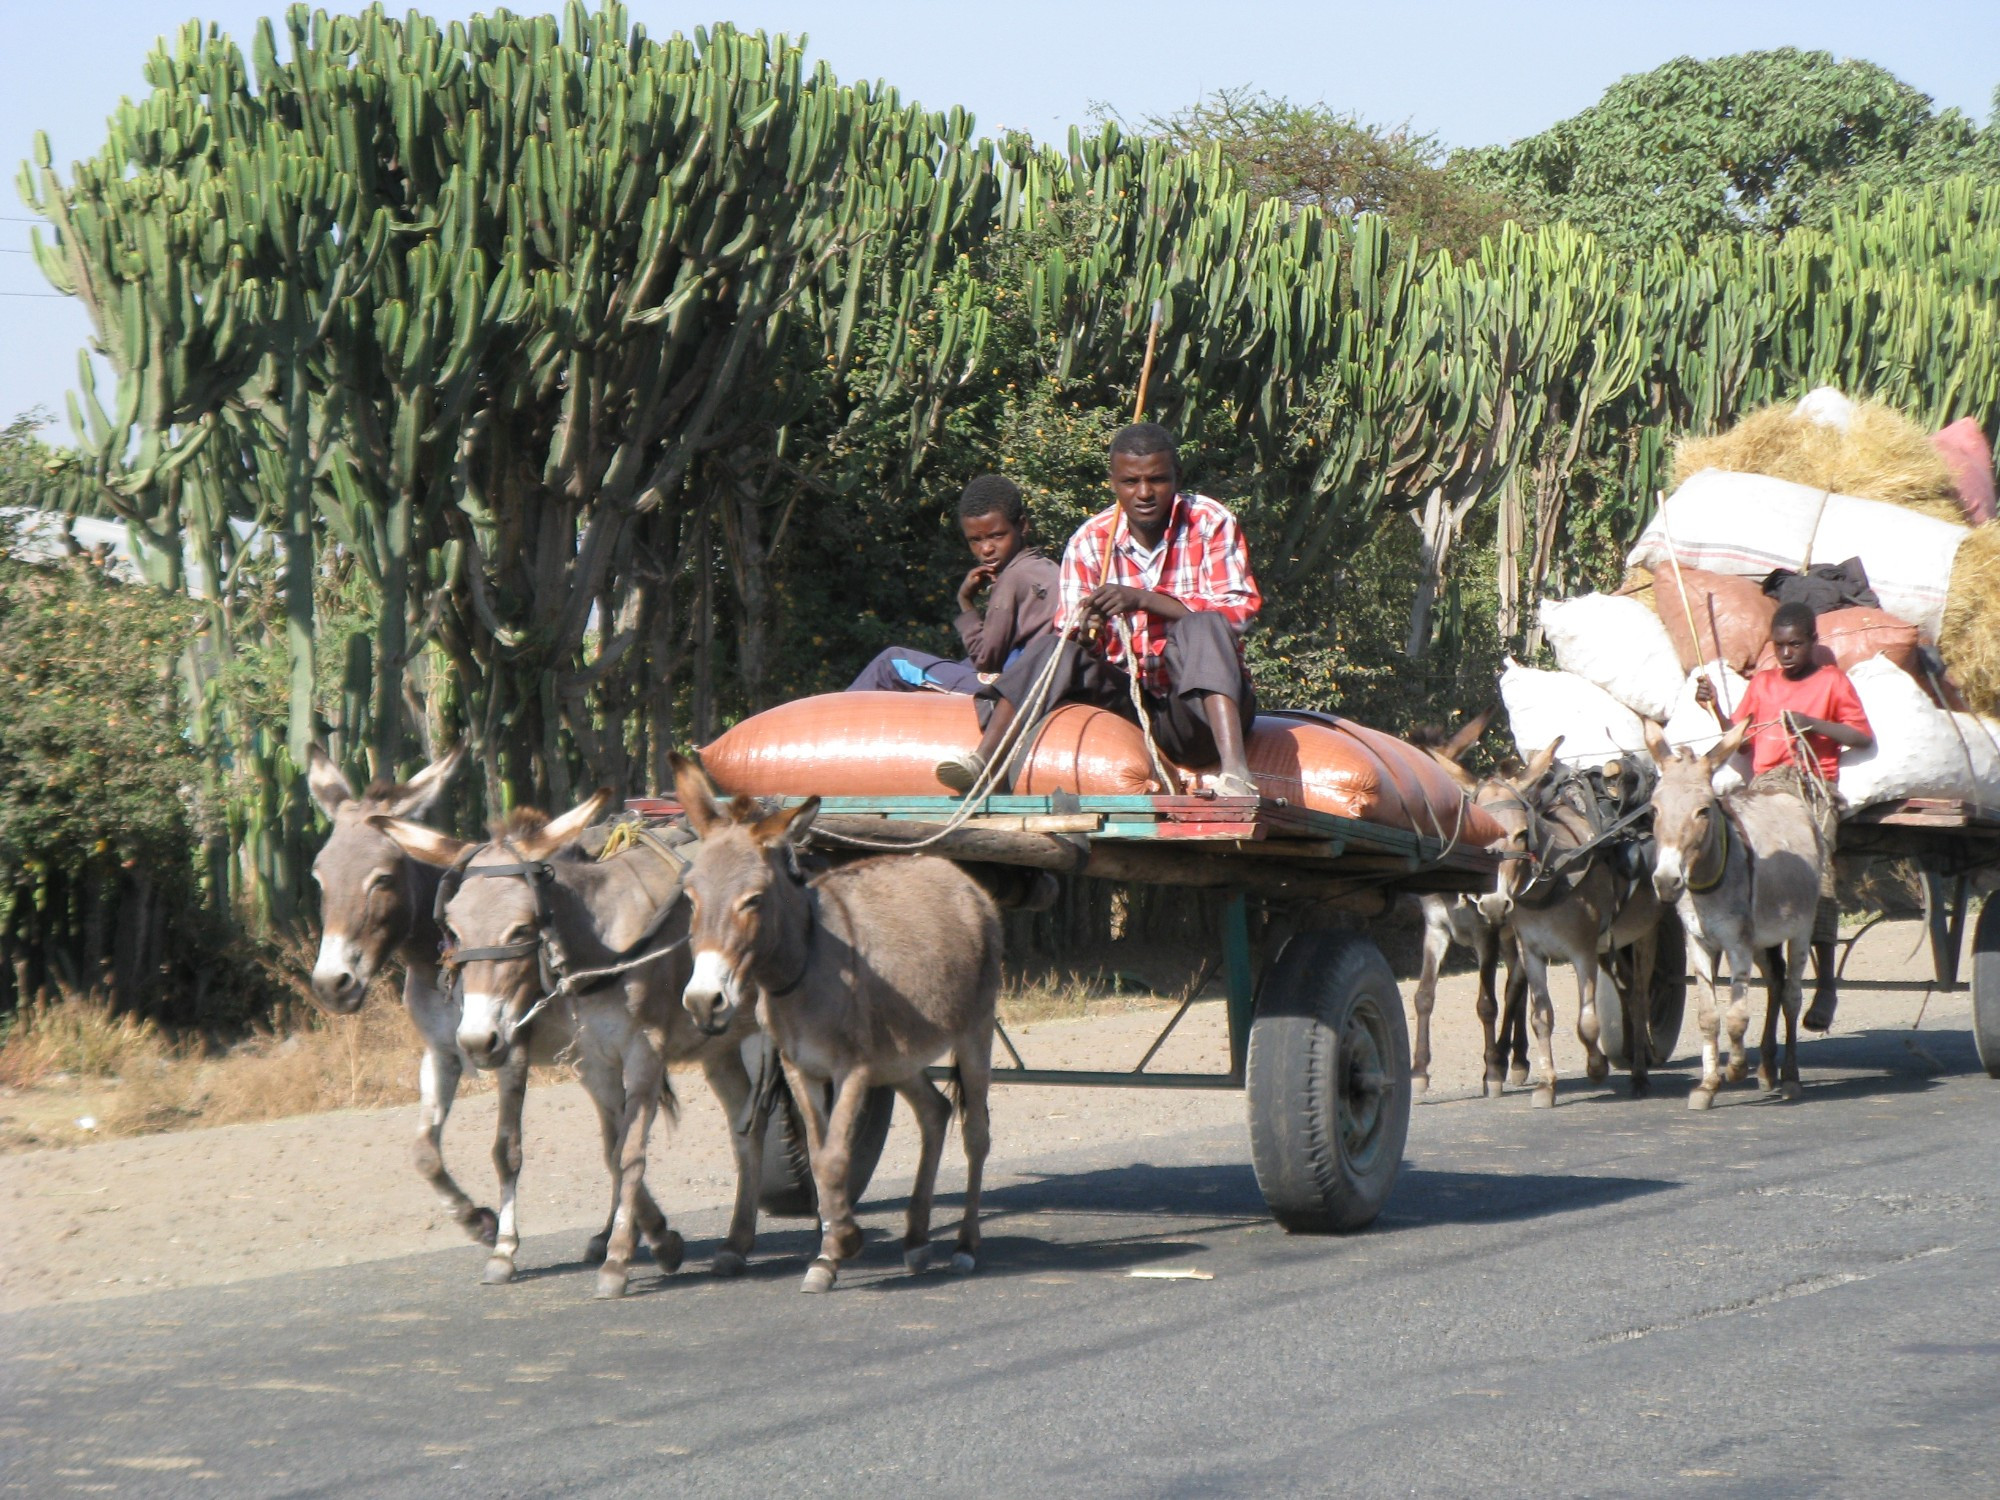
pixel 1068 995
pixel 1882 455
pixel 1969 639
pixel 72 1059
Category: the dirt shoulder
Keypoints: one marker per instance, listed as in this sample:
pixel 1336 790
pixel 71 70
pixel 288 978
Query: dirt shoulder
pixel 199 1207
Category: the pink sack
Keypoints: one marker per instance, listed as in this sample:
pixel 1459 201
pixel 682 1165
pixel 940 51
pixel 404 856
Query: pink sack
pixel 1969 457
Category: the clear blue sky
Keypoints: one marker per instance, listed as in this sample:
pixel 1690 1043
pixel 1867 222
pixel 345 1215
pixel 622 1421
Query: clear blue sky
pixel 1475 71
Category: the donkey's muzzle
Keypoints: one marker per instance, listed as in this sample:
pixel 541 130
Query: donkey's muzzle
pixel 338 992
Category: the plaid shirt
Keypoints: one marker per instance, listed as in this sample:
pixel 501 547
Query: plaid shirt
pixel 1202 561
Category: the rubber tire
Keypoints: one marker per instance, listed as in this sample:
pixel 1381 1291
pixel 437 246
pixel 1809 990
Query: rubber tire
pixel 1669 1001
pixel 785 1188
pixel 1324 989
pixel 1986 985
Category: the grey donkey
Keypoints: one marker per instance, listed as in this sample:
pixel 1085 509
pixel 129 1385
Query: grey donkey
pixel 376 910
pixel 862 976
pixel 561 957
pixel 1744 869
pixel 1573 911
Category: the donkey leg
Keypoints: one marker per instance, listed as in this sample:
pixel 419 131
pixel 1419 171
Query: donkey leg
pixel 975 1077
pixel 840 1237
pixel 1489 1012
pixel 1737 1018
pixel 438 1075
pixel 1789 1084
pixel 1543 1015
pixel 1596 1066
pixel 1776 987
pixel 1515 1035
pixel 1636 1006
pixel 513 1082
pixel 1706 1016
pixel 1437 941
pixel 731 1082
pixel 933 1116
pixel 641 1078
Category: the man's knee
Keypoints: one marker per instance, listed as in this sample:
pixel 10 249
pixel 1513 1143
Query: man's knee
pixel 879 676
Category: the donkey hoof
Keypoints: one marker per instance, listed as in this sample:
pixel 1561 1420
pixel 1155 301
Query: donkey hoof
pixel 1768 1082
pixel 1736 1072
pixel 963 1264
pixel 819 1277
pixel 1495 1088
pixel 499 1270
pixel 1518 1074
pixel 669 1250
pixel 1701 1098
pixel 1544 1097
pixel 484 1226
pixel 1420 1083
pixel 1790 1090
pixel 610 1284
pixel 917 1260
pixel 595 1251
pixel 1598 1068
pixel 1642 1088
pixel 728 1264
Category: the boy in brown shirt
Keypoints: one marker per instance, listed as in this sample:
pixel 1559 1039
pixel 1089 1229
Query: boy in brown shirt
pixel 1020 606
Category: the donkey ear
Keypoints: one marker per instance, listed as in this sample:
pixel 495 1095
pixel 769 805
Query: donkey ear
pixel 559 833
pixel 1656 741
pixel 1539 763
pixel 422 792
pixel 1728 745
pixel 1469 733
pixel 330 789
pixel 786 823
pixel 1465 779
pixel 421 842
pixel 696 793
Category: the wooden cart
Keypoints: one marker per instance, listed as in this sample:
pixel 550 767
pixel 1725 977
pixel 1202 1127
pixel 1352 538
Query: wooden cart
pixel 1317 1039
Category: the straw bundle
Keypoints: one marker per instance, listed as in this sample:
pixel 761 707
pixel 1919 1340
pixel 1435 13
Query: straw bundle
pixel 1879 454
pixel 1969 640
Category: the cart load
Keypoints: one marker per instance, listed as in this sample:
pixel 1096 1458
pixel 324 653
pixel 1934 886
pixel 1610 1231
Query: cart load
pixel 888 745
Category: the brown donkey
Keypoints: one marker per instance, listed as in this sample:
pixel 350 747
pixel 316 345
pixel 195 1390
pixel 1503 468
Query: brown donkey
pixel 376 909
pixel 863 976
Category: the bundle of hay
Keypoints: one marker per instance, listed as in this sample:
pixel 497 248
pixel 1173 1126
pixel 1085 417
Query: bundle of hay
pixel 1861 448
pixel 1969 638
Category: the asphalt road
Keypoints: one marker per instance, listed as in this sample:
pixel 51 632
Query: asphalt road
pixel 1610 1299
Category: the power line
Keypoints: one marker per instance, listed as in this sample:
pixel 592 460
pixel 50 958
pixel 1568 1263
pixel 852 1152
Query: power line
pixel 54 296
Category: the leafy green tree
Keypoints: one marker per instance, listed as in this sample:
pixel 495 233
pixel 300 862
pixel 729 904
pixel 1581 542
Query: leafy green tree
pixel 1760 142
pixel 1313 155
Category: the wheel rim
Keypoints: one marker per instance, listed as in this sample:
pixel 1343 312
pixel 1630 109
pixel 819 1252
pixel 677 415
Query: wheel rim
pixel 1364 1086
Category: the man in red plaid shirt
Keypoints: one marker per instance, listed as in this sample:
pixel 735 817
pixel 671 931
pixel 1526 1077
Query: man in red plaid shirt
pixel 1175 567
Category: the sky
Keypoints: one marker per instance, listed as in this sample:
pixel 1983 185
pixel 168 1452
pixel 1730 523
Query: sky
pixel 1474 71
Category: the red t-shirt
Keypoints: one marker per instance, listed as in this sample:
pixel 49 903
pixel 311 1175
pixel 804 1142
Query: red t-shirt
pixel 1824 694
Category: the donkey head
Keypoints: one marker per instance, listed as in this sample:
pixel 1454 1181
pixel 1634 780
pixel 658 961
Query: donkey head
pixel 371 897
pixel 497 917
pixel 1511 803
pixel 1687 815
pixel 748 906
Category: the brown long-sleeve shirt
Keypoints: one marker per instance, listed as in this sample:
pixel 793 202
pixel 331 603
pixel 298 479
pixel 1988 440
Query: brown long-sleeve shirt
pixel 1021 606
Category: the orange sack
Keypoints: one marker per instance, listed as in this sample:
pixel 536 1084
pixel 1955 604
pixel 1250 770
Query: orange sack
pixel 1732 616
pixel 887 745
pixel 1848 637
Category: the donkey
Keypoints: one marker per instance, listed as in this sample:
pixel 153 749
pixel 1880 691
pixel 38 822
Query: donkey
pixel 376 907
pixel 594 954
pixel 1744 870
pixel 1572 908
pixel 862 976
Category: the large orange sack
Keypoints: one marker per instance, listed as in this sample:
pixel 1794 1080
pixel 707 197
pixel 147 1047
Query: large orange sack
pixel 888 744
pixel 1732 616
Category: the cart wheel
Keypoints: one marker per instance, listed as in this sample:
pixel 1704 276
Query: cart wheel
pixel 785 1189
pixel 1986 985
pixel 1669 1000
pixel 1328 1082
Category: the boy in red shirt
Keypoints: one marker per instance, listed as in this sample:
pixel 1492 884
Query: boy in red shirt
pixel 1804 705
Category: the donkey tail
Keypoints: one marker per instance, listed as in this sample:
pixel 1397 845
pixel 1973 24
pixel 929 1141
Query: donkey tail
pixel 670 1104
pixel 954 1089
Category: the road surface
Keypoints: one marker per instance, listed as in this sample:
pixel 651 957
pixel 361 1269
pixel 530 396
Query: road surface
pixel 1613 1298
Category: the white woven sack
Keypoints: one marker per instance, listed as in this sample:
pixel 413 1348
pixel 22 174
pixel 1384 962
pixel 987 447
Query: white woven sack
pixel 1980 742
pixel 1750 525
pixel 1593 725
pixel 1918 750
pixel 1618 644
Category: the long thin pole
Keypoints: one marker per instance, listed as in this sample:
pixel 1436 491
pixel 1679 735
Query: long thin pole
pixel 1694 630
pixel 1146 369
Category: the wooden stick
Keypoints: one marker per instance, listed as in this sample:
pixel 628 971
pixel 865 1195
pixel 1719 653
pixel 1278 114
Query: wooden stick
pixel 1694 630
pixel 1146 369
